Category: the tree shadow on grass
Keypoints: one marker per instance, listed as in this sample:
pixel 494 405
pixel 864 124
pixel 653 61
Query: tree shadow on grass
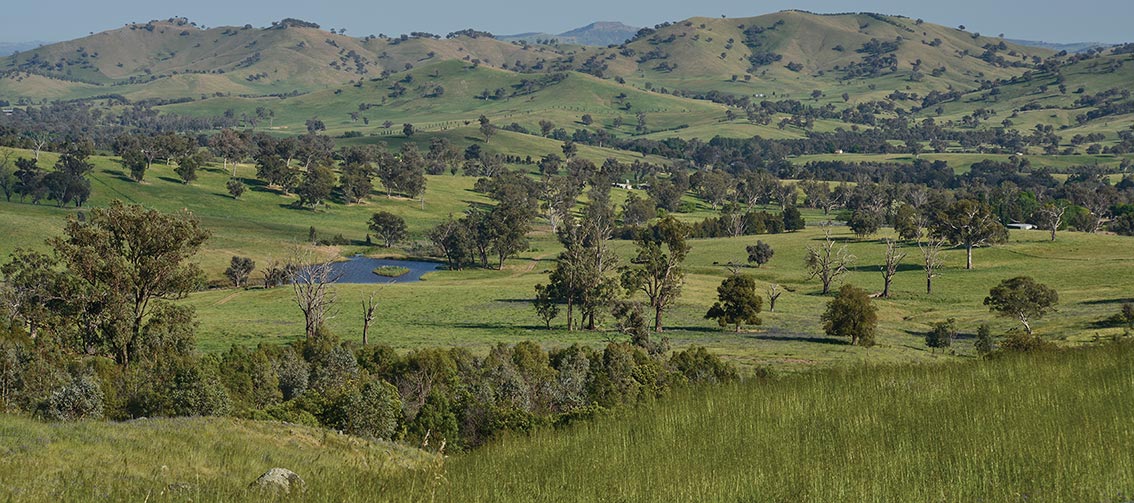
pixel 876 268
pixel 171 180
pixel 774 335
pixel 1103 302
pixel 503 326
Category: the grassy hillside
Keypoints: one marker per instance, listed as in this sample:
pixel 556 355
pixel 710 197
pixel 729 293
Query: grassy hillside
pixel 137 60
pixel 708 51
pixel 1043 427
pixel 562 99
pixel 838 60
pixel 198 459
pixel 1051 428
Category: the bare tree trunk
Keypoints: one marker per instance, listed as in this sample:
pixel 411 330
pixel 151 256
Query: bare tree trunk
pixel 658 319
pixel 570 314
pixel 368 308
pixel 968 256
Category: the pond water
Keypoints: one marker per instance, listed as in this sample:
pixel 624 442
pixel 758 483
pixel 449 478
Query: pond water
pixel 359 269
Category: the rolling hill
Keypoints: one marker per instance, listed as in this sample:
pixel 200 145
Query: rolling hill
pixel 358 84
pixel 180 59
pixel 601 33
pixel 792 53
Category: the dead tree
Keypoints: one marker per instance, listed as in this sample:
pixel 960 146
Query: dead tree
pixel 313 281
pixel 1051 216
pixel 893 259
pixel 368 307
pixel 827 262
pixel 931 260
pixel 774 294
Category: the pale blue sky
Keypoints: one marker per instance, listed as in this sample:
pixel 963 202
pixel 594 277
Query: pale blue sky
pixel 1047 20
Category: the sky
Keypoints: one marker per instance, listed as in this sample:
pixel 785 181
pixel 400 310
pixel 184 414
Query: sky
pixel 1045 20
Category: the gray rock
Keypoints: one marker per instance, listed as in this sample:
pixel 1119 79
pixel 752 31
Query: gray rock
pixel 280 479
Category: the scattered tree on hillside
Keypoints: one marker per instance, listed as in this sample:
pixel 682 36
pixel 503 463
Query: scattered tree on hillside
pixel 316 187
pixel 368 308
pixel 851 314
pixel 187 167
pixel 941 335
pixel 864 222
pixel 969 224
pixel 793 219
pixel 229 145
pixel 239 270
pixel 235 187
pixel 388 227
pixel 662 248
pixel 487 129
pixel 1050 216
pixel 1023 299
pixel 760 253
pixel 931 260
pixel 545 304
pixel 983 343
pixel 774 293
pixel 132 258
pixel 737 303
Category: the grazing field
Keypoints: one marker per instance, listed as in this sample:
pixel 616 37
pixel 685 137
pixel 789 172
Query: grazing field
pixel 479 308
pixel 1049 427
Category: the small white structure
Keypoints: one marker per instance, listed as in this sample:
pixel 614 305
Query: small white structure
pixel 625 186
pixel 1021 226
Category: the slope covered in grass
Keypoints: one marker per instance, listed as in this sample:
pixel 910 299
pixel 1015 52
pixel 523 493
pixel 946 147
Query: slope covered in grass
pixel 1052 428
pixel 1048 427
pixel 190 459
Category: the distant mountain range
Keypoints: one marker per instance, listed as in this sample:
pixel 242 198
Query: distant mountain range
pixel 9 48
pixel 1072 47
pixel 601 33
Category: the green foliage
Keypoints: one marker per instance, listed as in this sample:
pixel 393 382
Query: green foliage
pixel 126 259
pixel 82 398
pixel 372 411
pixel 545 305
pixel 388 227
pixel 239 270
pixel 984 344
pixel 699 366
pixel 864 223
pixel 759 253
pixel 235 188
pixel 793 219
pixel 851 314
pixel 737 303
pixel 969 224
pixel 942 334
pixel 316 186
pixel 662 248
pixel 391 271
pixel 1023 299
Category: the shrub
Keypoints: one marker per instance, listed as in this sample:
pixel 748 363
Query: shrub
pixel 372 411
pixel 698 365
pixel 82 398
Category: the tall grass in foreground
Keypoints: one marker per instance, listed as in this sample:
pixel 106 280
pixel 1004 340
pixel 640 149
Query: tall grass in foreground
pixel 1052 427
